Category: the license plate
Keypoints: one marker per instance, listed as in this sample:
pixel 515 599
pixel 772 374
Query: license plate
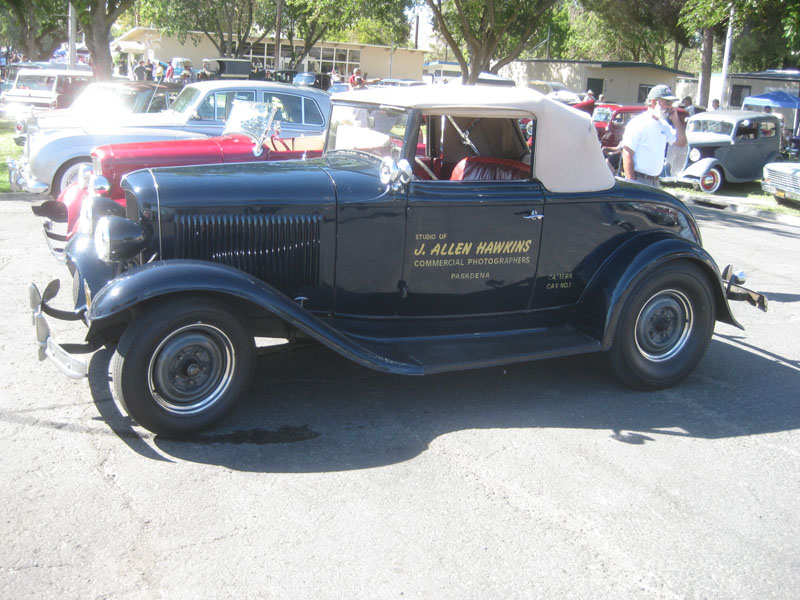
pixel 780 193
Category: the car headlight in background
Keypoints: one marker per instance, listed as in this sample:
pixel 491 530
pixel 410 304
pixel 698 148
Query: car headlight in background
pixel 117 238
pixel 96 204
pixel 694 155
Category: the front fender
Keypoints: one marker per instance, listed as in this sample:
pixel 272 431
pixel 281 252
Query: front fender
pixel 604 300
pixel 163 278
pixel 700 168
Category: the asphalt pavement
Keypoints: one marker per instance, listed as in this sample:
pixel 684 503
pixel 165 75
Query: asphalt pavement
pixel 541 480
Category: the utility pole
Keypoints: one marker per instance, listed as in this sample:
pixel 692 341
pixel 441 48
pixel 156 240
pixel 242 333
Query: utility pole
pixel 725 61
pixel 73 33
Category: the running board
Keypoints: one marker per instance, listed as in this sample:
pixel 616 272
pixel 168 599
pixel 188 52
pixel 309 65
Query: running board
pixel 459 353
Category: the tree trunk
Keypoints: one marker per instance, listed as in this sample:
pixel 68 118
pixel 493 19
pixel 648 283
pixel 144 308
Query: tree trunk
pixel 97 34
pixel 705 67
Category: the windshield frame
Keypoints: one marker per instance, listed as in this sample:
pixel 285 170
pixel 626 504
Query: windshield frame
pixel 379 152
pixel 184 107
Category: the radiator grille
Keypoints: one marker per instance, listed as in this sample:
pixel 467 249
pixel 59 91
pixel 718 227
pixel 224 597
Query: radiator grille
pixel 282 250
pixel 783 180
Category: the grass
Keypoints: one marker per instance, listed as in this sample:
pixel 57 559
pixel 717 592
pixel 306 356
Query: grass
pixel 8 149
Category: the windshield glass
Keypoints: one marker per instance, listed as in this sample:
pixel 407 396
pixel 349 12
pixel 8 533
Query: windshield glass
pixel 251 118
pixel 601 114
pixel 105 99
pixel 709 126
pixel 376 130
pixel 185 100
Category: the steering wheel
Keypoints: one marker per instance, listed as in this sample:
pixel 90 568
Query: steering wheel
pixel 276 138
pixel 425 168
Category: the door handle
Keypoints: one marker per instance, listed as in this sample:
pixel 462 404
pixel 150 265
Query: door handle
pixel 534 216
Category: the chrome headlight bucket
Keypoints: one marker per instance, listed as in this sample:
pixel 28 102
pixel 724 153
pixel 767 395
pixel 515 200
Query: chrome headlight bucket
pixel 84 175
pixel 117 238
pixel 96 204
pixel 694 155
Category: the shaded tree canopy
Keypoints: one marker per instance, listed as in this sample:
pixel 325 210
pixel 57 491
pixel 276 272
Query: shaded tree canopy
pixel 487 35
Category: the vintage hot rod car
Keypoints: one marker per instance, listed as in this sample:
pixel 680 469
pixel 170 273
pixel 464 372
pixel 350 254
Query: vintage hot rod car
pixel 477 251
pixel 248 136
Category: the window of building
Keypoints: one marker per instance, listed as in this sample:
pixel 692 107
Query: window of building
pixel 738 94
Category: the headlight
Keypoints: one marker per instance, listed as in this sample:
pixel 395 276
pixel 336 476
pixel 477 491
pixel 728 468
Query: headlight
pixel 102 239
pixel 117 238
pixel 95 204
pixel 84 174
pixel 694 155
pixel 86 215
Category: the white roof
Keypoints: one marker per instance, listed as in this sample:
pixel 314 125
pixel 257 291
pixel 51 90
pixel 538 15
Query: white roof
pixel 567 155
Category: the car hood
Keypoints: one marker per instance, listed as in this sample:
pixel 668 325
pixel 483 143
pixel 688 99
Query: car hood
pixel 791 168
pixel 319 181
pixel 242 185
pixel 118 159
pixel 83 140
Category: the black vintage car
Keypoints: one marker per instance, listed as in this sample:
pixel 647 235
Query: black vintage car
pixel 429 237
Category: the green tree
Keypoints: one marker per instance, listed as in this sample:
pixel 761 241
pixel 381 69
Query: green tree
pixel 368 22
pixel 222 23
pixel 487 35
pixel 38 27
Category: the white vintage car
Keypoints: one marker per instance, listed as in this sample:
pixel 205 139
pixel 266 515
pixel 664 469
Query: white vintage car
pixel 52 159
pixel 782 180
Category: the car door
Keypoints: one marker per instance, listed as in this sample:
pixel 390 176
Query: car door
pixel 471 246
pixel 297 114
pixel 213 109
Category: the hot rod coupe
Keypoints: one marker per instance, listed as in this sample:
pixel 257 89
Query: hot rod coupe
pixel 476 251
pixel 251 134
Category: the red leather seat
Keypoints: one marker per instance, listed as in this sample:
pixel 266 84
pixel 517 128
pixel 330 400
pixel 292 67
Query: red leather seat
pixel 478 168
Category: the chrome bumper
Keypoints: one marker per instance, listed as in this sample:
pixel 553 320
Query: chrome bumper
pixel 780 192
pixel 734 290
pixel 60 355
pixel 54 223
pixel 20 179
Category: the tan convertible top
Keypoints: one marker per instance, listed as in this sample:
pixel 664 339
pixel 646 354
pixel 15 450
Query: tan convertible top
pixel 567 157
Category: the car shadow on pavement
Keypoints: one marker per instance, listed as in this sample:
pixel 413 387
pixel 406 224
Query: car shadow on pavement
pixel 310 410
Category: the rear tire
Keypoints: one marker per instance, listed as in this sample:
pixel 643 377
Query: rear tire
pixel 182 365
pixel 665 327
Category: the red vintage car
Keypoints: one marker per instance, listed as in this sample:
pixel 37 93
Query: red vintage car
pixel 246 138
pixel 610 121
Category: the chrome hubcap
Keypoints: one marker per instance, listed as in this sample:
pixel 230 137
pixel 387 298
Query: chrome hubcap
pixel 663 325
pixel 191 369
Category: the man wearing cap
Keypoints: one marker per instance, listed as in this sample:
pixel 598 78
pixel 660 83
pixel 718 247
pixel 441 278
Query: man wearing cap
pixel 646 136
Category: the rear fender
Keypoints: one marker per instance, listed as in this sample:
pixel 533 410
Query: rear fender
pixel 601 306
pixel 113 305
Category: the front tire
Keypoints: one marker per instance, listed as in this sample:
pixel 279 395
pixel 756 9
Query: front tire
pixel 711 181
pixel 665 327
pixel 182 365
pixel 68 174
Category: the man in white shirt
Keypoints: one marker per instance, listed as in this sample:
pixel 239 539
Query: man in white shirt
pixel 646 136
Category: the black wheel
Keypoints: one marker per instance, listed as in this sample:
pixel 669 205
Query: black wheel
pixel 182 365
pixel 711 181
pixel 665 327
pixel 68 174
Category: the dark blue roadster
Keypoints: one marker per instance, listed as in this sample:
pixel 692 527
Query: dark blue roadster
pixel 430 236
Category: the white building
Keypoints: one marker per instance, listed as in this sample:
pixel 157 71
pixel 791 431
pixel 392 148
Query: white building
pixel 374 61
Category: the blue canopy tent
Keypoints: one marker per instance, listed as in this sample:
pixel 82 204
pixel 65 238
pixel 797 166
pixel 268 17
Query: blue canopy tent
pixel 779 99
